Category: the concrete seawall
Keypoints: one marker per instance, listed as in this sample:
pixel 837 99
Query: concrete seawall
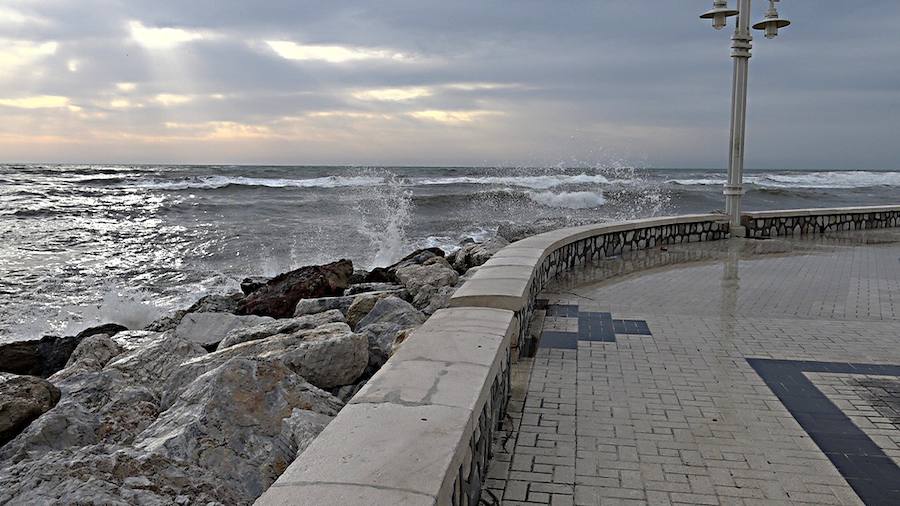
pixel 420 431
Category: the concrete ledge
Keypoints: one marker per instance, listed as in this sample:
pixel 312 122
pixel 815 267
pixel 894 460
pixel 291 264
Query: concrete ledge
pixel 413 433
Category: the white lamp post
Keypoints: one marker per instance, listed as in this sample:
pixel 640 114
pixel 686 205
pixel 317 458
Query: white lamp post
pixel 740 51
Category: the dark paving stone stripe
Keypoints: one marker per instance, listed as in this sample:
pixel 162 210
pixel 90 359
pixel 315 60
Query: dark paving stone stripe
pixel 865 466
pixel 562 310
pixel 636 327
pixel 559 340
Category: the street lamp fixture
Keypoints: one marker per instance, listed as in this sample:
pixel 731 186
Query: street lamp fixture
pixel 741 44
pixel 772 22
pixel 719 14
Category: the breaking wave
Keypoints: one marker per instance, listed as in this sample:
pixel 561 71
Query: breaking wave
pixel 568 200
pixel 836 180
pixel 533 182
pixel 216 182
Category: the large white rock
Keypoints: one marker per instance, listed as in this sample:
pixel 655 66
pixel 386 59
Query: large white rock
pixel 328 356
pixel 243 421
pixel 91 354
pixel 393 310
pixel 152 364
pixel 207 329
pixel 282 326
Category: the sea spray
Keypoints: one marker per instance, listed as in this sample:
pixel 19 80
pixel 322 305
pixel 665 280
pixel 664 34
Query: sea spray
pixel 385 212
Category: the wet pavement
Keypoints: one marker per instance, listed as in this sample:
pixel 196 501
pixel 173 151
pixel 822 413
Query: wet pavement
pixel 731 372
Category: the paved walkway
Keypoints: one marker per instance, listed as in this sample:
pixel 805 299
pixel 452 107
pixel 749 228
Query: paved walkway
pixel 738 372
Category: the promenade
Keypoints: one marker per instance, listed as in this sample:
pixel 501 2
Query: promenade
pixel 733 372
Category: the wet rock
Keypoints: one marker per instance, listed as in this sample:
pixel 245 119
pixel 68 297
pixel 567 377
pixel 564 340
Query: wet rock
pixel 393 310
pixel 322 304
pixel 380 340
pixel 473 254
pixel 372 287
pixel 217 303
pixel 358 276
pixel 132 339
pixel 426 283
pixel 283 326
pixel 22 400
pixel 166 323
pixel 328 356
pixel 241 421
pixel 37 357
pixel 253 283
pixel 279 297
pixel 208 329
pixel 431 298
pixel 363 304
pixel 109 329
pixel 380 275
pixel 92 354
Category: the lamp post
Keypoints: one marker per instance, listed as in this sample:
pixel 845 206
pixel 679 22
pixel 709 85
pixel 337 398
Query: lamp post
pixel 741 43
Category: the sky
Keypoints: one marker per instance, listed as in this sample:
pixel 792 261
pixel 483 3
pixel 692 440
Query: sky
pixel 424 82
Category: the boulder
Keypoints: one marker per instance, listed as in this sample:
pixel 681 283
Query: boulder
pixel 363 303
pixel 114 475
pixel 166 322
pixel 425 283
pixel 431 298
pixel 22 400
pixel 217 303
pixel 372 287
pixel 132 339
pixel 253 283
pixel 379 339
pixel 283 326
pixel 208 329
pixel 358 276
pixel 109 329
pixel 92 354
pixel 380 275
pixel 328 356
pixel 240 421
pixel 393 310
pixel 322 304
pixel 474 254
pixel 37 357
pixel 152 364
pixel 279 297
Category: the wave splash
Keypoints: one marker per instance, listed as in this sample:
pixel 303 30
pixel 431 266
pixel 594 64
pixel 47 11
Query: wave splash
pixel 533 182
pixel 569 200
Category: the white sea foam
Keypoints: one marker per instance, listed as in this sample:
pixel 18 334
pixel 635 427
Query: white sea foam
pixel 568 200
pixel 533 182
pixel 811 180
pixel 215 182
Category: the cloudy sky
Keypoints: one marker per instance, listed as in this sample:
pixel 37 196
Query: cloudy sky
pixel 462 82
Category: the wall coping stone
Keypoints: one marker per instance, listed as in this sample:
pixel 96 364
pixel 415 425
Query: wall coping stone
pixel 820 212
pixel 403 437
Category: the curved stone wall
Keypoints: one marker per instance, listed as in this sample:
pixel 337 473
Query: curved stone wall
pixel 419 432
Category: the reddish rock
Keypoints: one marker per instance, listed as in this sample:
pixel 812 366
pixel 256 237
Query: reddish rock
pixel 279 297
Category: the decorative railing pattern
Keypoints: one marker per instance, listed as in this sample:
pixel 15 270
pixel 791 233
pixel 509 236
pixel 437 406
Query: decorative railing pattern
pixel 765 224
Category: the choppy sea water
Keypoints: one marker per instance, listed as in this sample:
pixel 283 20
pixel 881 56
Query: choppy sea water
pixel 81 244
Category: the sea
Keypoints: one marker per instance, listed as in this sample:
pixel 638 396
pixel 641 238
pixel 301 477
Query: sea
pixel 84 244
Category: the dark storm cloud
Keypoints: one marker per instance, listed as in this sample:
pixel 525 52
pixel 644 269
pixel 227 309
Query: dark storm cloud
pixel 479 82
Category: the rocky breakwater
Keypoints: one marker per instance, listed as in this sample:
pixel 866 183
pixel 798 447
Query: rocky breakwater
pixel 212 403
